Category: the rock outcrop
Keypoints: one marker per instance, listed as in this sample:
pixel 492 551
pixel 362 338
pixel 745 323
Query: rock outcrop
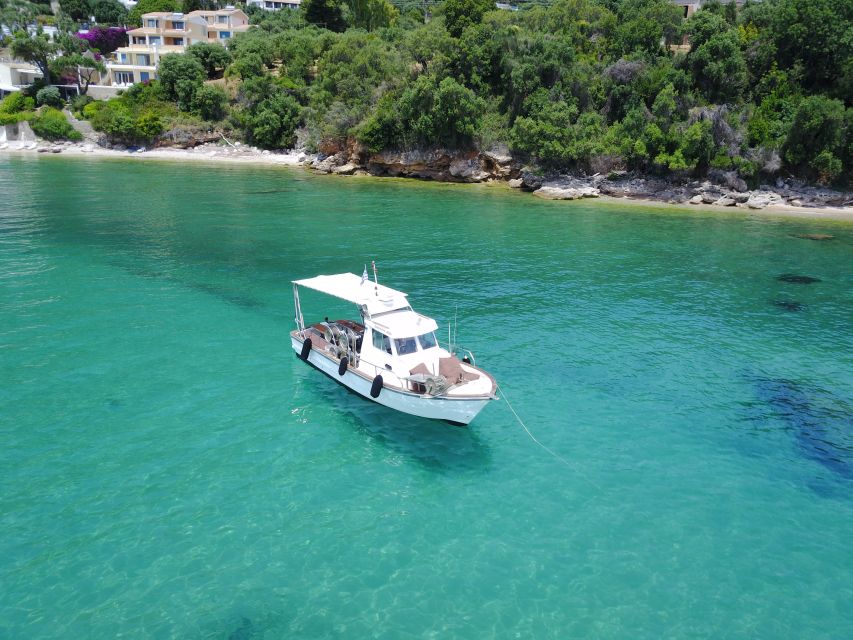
pixel 436 164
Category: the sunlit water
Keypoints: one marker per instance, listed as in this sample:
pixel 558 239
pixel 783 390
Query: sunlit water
pixel 170 469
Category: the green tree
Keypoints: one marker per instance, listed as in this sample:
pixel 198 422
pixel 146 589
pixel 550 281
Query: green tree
pixel 372 14
pixel 697 145
pixel 212 56
pixel 325 13
pixel 181 75
pixel 109 12
pixel 548 134
pixel 83 69
pixel 704 25
pixel 441 112
pixel 247 66
pixel 37 49
pixel 643 25
pixel 273 123
pixel 77 9
pixel 817 139
pixel 817 34
pixel 719 68
pixel 209 102
pixel 461 14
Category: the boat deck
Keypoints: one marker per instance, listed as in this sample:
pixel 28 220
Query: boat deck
pixel 465 379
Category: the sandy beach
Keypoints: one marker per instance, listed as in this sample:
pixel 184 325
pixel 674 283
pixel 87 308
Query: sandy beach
pixel 245 154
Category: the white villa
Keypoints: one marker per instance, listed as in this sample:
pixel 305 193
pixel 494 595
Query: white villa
pixel 163 33
pixel 274 5
pixel 14 76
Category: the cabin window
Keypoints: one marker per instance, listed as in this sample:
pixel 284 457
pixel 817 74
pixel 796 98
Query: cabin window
pixel 381 342
pixel 405 346
pixel 427 340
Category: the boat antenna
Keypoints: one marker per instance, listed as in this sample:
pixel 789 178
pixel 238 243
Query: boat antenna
pixel 456 323
pixel 375 279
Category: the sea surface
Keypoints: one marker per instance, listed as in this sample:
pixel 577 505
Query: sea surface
pixel 169 468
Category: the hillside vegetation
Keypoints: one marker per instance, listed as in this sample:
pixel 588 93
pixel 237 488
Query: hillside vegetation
pixel 578 85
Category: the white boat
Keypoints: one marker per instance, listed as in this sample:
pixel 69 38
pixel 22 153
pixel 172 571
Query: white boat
pixel 390 354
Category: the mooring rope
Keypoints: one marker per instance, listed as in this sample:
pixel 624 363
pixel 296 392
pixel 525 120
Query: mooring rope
pixel 557 456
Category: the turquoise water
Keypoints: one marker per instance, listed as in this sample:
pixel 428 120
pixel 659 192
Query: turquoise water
pixel 169 469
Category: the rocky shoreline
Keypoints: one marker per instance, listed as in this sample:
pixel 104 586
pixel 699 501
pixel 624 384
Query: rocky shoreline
pixel 721 189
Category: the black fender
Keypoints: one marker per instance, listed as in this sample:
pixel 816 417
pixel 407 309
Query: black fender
pixel 376 387
pixel 306 349
pixel 342 367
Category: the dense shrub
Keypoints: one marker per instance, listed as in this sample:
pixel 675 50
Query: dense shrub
pixel 212 56
pixel 137 116
pixel 181 75
pixel 209 102
pixel 50 123
pixel 49 96
pixel 78 102
pixel 17 102
pixel 109 12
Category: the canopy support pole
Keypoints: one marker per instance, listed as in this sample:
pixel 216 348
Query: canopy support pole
pixel 300 322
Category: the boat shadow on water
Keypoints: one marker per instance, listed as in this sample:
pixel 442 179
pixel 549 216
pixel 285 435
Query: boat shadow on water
pixel 820 423
pixel 435 445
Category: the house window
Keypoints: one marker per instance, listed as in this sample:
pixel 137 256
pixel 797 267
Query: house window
pixel 122 57
pixel 124 77
pixel 151 24
pixel 178 26
pixel 224 35
pixel 179 41
pixel 381 341
pixel 144 76
pixel 154 40
pixel 222 19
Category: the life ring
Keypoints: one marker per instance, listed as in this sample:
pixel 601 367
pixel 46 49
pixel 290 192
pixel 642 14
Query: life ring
pixel 342 367
pixel 306 349
pixel 376 387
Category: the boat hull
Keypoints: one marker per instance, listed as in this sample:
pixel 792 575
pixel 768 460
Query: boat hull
pixel 458 410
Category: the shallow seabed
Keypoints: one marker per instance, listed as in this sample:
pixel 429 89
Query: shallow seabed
pixel 170 469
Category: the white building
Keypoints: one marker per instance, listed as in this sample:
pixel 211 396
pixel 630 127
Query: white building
pixel 14 76
pixel 274 5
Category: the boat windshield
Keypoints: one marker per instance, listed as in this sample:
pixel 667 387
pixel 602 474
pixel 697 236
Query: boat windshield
pixel 405 346
pixel 427 341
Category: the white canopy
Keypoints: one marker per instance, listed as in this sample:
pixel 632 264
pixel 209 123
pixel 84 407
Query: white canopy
pixel 405 324
pixel 350 287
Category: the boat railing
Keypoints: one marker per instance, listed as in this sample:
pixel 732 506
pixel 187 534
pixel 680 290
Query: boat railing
pixel 460 352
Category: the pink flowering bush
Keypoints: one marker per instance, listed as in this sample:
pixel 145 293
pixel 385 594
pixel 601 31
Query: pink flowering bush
pixel 104 39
